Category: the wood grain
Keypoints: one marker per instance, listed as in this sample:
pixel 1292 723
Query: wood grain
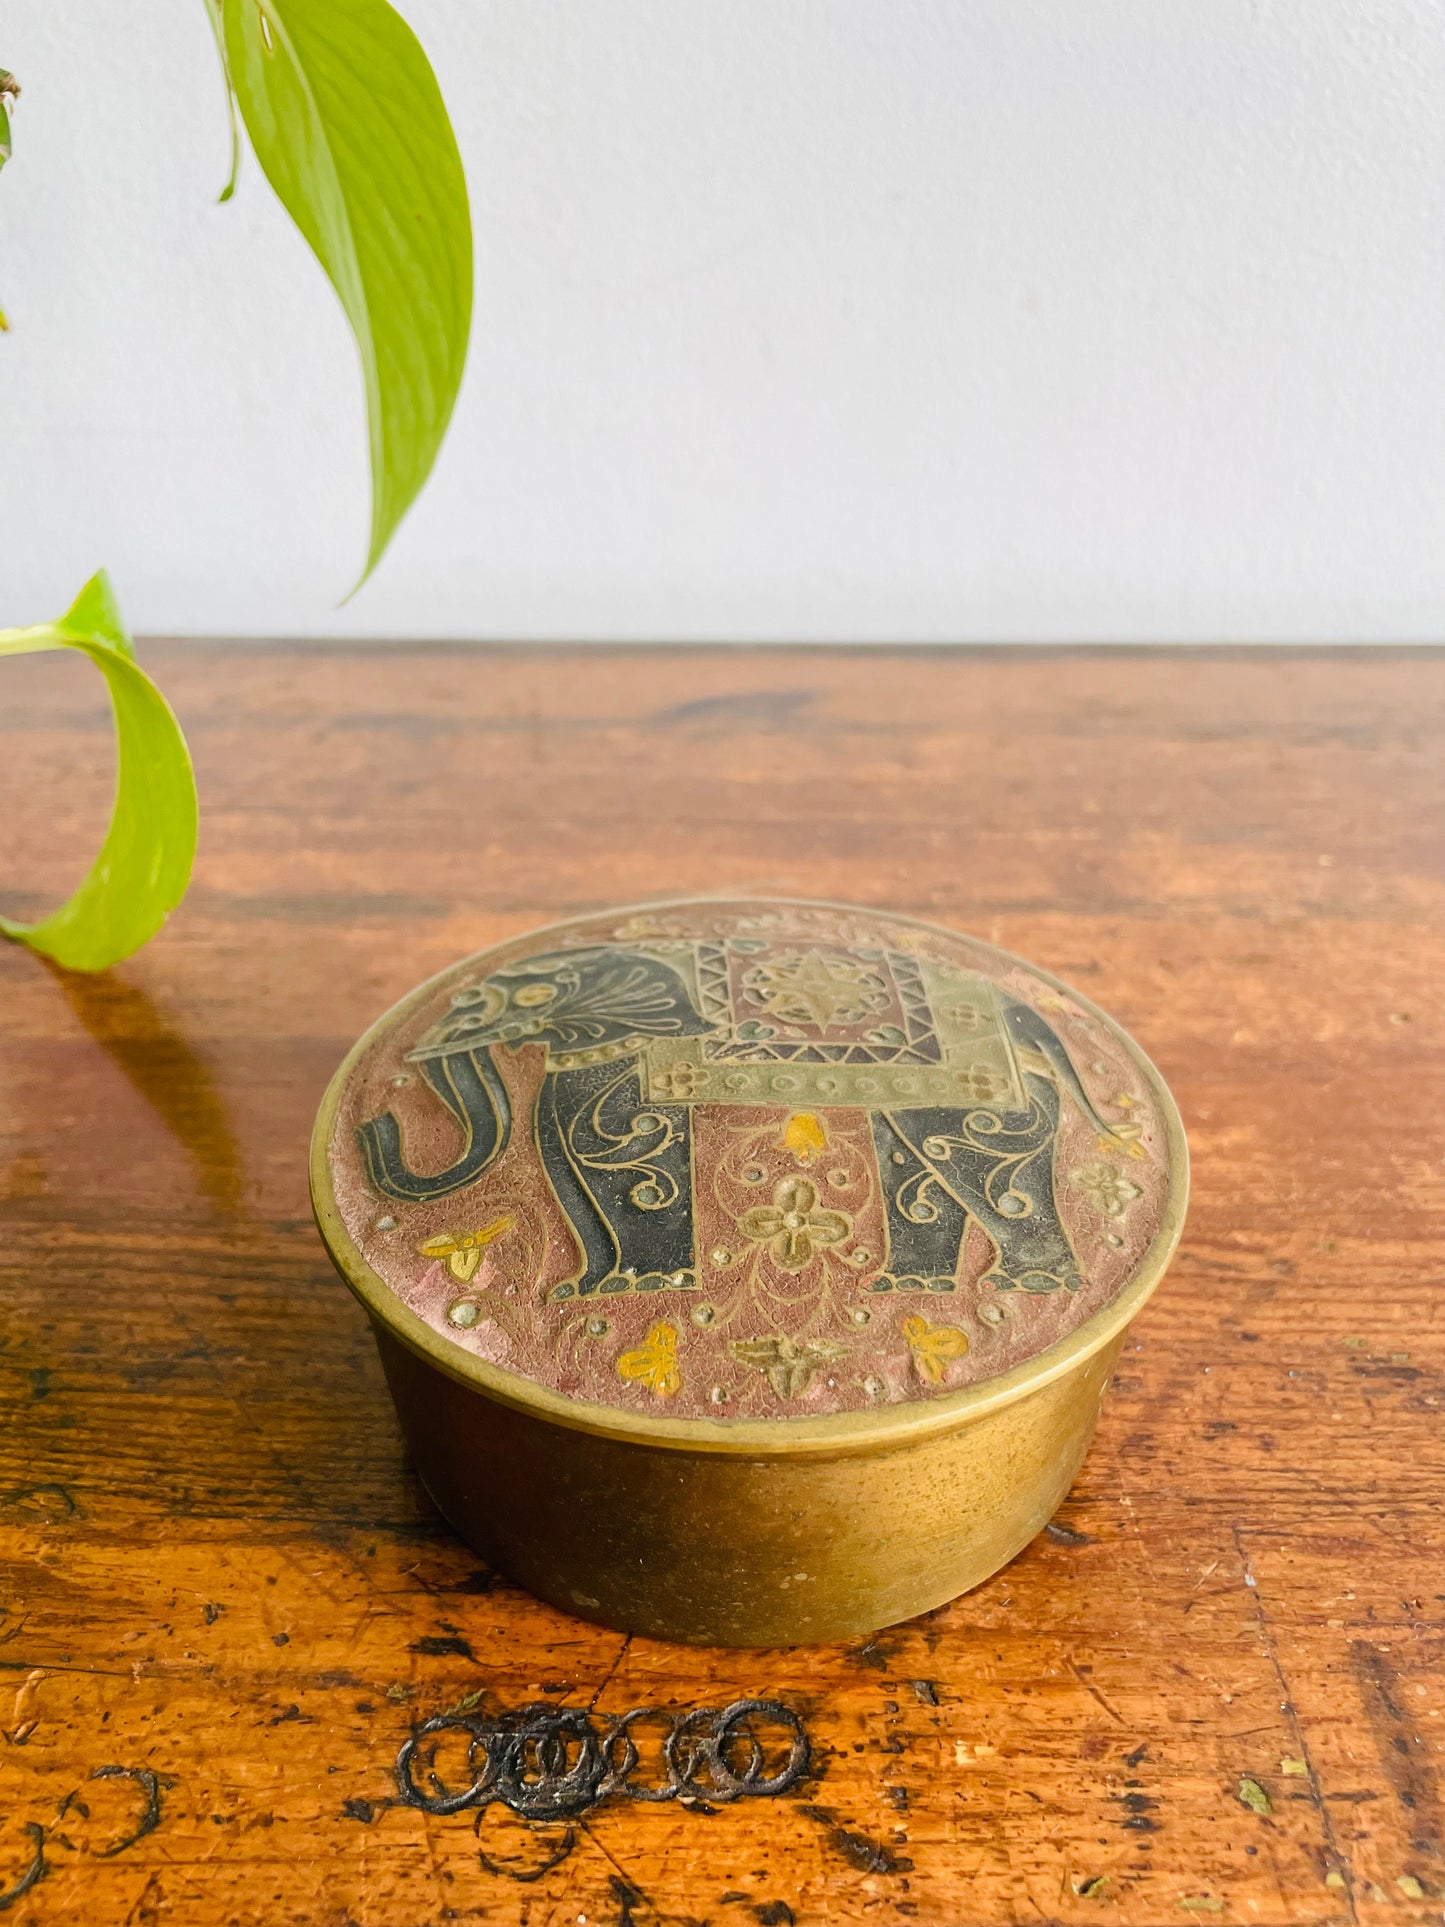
pixel 218 1575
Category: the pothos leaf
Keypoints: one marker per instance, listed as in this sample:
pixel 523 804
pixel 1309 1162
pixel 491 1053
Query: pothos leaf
pixel 218 28
pixel 145 861
pixel 349 126
pixel 9 91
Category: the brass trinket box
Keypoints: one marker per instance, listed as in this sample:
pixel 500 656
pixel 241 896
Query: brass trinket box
pixel 748 1272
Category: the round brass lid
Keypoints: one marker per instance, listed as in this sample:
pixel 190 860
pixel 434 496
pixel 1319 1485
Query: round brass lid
pixel 735 1163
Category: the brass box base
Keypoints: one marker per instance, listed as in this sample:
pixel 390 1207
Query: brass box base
pixel 719 1549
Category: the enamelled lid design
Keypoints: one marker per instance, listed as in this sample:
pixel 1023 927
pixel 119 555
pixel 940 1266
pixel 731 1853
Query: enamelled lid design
pixel 731 1164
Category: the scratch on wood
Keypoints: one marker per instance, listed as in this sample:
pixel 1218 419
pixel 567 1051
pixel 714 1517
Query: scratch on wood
pixel 768 708
pixel 1266 1633
pixel 610 1674
pixel 1093 1691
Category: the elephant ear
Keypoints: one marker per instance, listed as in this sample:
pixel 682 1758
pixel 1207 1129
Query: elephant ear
pixel 601 995
pixel 606 996
pixel 470 1024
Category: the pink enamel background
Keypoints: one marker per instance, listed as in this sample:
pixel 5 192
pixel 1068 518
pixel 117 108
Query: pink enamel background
pixel 756 1339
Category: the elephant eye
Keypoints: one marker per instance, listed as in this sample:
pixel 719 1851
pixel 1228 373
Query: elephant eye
pixel 481 1004
pixel 531 995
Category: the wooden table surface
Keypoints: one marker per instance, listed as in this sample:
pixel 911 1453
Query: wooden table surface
pixel 1215 1689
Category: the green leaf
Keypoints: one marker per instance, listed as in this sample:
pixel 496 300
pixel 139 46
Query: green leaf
pixel 145 861
pixel 349 126
pixel 1253 1796
pixel 9 92
pixel 218 28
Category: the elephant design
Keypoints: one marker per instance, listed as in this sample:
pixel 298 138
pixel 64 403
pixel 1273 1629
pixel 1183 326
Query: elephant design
pixel 951 1089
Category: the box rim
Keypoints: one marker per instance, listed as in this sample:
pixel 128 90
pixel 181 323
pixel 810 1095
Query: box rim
pixel 837 1434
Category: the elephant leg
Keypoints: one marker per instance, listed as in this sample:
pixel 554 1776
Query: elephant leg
pixel 926 1223
pixel 1000 1168
pixel 620 1171
pixel 601 1258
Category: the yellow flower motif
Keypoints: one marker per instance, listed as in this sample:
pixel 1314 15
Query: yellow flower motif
pixel 654 1363
pixel 792 1226
pixel 1123 1138
pixel 803 1136
pixel 934 1347
pixel 463 1249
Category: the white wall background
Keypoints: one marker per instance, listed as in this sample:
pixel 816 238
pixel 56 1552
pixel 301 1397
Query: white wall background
pixel 864 319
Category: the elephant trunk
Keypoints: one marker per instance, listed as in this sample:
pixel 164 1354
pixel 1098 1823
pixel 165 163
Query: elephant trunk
pixel 470 1085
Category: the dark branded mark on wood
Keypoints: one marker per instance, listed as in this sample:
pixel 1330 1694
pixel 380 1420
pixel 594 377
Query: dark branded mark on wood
pixel 37 1505
pixel 553 1852
pixel 35 1871
pixel 1063 1535
pixel 150 1785
pixel 442 1646
pixel 548 1762
pixel 869 1855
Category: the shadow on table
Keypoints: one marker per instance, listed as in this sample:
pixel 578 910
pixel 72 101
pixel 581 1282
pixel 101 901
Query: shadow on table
pixel 165 1071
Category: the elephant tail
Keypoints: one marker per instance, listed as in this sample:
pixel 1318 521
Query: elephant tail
pixel 1029 1031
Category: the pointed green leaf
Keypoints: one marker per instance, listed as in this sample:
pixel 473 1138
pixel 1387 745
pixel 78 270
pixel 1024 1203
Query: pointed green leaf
pixel 9 92
pixel 218 28
pixel 145 861
pixel 348 124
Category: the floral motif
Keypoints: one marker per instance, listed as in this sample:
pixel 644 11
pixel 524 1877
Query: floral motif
pixel 1107 1189
pixel 463 1249
pixel 678 1081
pixel 812 989
pixel 1123 1139
pixel 787 1365
pixel 966 1017
pixel 934 1347
pixel 978 1084
pixel 654 1362
pixel 804 1136
pixel 794 1227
